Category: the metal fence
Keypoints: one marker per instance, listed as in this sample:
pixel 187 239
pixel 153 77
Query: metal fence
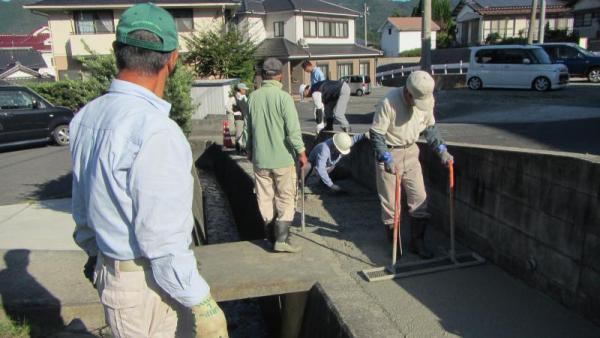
pixel 449 68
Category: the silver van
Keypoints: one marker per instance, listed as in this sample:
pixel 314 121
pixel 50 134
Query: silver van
pixel 359 84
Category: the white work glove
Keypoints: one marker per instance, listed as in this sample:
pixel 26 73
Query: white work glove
pixel 209 320
pixel 445 155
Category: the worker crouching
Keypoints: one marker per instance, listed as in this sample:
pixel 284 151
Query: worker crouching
pixel 330 100
pixel 400 118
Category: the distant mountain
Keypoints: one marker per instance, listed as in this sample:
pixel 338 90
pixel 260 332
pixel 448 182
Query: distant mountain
pixel 16 20
pixel 379 10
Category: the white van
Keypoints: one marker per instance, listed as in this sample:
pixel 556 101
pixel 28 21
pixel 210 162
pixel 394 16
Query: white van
pixel 514 66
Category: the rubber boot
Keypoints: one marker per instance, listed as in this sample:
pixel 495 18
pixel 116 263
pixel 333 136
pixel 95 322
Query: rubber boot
pixel 270 232
pixel 329 125
pixel 389 233
pixel 417 238
pixel 282 238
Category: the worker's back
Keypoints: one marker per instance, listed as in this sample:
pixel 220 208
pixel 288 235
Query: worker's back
pixel 273 127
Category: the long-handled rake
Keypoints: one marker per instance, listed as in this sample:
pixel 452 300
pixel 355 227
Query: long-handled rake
pixel 448 261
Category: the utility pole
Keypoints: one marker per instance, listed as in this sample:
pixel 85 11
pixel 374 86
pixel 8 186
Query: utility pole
pixel 426 37
pixel 542 30
pixel 531 30
pixel 365 13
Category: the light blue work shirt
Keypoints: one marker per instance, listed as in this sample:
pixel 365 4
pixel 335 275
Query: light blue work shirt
pixel 317 76
pixel 133 189
pixel 324 157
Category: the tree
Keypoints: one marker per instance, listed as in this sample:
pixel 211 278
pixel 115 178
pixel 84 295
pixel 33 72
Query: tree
pixel 441 13
pixel 228 55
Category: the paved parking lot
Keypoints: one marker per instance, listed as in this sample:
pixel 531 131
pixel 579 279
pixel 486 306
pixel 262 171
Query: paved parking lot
pixel 561 120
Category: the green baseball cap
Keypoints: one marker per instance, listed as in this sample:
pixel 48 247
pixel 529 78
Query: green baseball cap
pixel 149 17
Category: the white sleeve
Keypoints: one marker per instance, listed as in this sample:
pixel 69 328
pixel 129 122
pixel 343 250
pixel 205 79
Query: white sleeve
pixel 317 100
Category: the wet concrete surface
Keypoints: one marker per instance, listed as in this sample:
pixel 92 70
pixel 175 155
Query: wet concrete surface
pixel 482 301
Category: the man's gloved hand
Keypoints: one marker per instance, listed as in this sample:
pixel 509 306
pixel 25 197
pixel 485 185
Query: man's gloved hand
pixel 445 155
pixel 209 320
pixel 336 189
pixel 388 162
pixel 302 159
pixel 89 268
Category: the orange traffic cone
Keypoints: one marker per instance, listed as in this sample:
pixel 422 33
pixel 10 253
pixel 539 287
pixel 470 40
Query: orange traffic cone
pixel 227 141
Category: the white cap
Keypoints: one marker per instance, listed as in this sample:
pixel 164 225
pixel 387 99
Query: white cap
pixel 420 85
pixel 242 86
pixel 342 142
pixel 301 90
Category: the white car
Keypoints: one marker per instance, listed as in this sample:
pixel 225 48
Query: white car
pixel 514 66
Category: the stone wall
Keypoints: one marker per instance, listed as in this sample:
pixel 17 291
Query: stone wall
pixel 535 214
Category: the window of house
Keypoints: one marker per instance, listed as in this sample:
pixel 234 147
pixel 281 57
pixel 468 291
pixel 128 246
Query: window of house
pixel 278 29
pixel 184 19
pixel 344 69
pixel 324 68
pixel 94 22
pixel 389 31
pixel 331 29
pixel 310 28
pixel 363 68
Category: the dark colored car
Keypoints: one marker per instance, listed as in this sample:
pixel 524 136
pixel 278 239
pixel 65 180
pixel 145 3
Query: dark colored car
pixel 579 61
pixel 25 117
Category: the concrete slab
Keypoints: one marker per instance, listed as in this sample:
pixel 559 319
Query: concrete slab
pixel 44 225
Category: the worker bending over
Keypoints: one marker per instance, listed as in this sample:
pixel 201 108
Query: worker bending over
pixel 330 99
pixel 133 190
pixel 326 155
pixel 316 74
pixel 402 115
pixel 273 142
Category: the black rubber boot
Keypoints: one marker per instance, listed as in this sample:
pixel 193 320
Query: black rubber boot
pixel 282 234
pixel 389 233
pixel 270 232
pixel 328 125
pixel 417 238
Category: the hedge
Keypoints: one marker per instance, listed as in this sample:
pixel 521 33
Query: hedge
pixel 411 52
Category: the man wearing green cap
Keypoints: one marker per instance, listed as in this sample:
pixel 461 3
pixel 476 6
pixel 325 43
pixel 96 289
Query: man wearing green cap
pixel 132 191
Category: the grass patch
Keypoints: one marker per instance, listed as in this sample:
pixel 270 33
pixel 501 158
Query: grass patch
pixel 9 329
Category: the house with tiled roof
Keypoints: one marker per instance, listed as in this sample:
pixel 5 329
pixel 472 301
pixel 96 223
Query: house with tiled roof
pixel 80 25
pixel 38 41
pixel 587 21
pixel 477 19
pixel 399 34
pixel 297 30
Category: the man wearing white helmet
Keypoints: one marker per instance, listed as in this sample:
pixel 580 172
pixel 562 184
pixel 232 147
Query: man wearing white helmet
pixel 326 155
pixel 330 99
pixel 400 118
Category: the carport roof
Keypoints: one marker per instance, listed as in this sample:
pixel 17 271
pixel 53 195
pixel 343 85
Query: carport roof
pixel 285 49
pixel 510 7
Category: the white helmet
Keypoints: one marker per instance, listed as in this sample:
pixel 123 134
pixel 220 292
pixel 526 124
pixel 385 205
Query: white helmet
pixel 301 91
pixel 342 142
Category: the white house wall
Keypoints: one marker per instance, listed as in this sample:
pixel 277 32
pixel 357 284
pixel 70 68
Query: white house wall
pixel 289 29
pixel 253 28
pixel 390 43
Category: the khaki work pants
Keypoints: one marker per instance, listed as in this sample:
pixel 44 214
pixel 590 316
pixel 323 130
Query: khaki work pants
pixel 134 305
pixel 276 193
pixel 407 163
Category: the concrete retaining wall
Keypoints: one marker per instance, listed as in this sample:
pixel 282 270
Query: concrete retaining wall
pixel 535 214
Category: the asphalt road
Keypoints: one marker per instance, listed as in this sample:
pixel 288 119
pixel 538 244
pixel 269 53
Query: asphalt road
pixel 34 173
pixel 563 120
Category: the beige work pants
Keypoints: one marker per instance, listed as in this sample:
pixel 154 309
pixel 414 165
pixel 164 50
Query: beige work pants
pixel 411 175
pixel 276 193
pixel 134 305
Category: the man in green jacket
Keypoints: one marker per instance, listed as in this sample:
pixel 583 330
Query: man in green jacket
pixel 273 140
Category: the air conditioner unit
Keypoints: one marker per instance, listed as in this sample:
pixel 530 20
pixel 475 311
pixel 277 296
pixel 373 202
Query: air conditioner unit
pixel 303 43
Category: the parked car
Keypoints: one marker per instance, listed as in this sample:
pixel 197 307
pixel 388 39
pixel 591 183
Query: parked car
pixel 25 117
pixel 359 84
pixel 579 61
pixel 514 66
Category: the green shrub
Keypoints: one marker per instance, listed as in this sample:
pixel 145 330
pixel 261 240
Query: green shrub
pixel 72 94
pixel 411 52
pixel 178 93
pixel 9 329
